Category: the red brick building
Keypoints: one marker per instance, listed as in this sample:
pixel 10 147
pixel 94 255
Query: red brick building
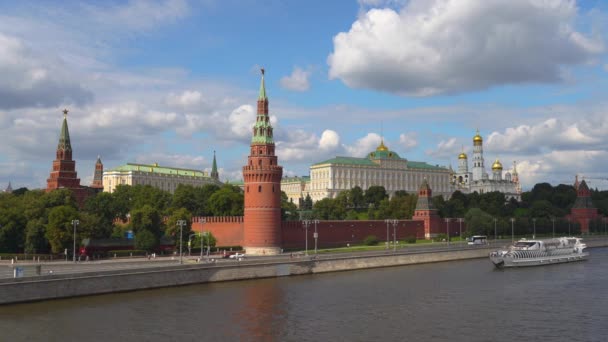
pixel 262 186
pixel 426 212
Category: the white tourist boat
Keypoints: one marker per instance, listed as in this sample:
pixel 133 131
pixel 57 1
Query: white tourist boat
pixel 540 252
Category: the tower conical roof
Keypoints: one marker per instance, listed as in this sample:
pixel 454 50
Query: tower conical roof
pixel 64 136
pixel 262 95
pixel 214 173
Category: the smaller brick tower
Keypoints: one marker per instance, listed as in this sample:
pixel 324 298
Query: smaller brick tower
pixel 425 211
pixel 262 176
pixel 98 176
pixel 583 210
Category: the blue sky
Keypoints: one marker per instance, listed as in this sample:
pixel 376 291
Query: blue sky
pixel 170 81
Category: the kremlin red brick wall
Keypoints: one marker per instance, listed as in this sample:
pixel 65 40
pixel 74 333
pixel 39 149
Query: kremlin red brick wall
pixel 228 230
pixel 341 233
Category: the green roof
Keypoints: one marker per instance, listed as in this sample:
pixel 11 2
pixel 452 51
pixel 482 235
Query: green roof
pixel 155 168
pixel 383 155
pixel 296 179
pixel 424 165
pixel 366 161
pixel 348 161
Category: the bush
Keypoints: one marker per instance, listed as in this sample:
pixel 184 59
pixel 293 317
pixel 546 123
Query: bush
pixel 126 253
pixel 370 240
pixel 411 239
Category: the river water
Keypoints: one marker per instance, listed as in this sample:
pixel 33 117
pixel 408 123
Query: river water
pixel 452 301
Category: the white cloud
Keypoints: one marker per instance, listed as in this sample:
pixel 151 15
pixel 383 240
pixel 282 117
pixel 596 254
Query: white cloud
pixel 445 149
pixel 364 145
pixel 302 146
pixel 174 160
pixel 297 81
pixel 241 121
pixel 186 100
pixel 408 140
pixel 451 46
pixel 30 80
pixel 549 134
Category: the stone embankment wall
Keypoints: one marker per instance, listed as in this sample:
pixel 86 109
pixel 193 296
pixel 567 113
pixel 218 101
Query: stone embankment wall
pixel 63 286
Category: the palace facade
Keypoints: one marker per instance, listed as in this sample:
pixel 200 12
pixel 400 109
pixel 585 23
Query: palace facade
pixel 381 167
pixel 161 177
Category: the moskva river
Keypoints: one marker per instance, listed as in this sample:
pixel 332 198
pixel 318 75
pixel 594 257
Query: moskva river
pixel 453 301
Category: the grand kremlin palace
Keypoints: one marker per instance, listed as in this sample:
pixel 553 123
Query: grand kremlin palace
pixel 381 167
pixel 386 168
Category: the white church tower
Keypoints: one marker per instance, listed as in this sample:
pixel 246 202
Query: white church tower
pixel 479 171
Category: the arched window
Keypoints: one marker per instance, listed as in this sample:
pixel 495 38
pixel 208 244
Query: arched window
pixel 259 188
pixel 247 188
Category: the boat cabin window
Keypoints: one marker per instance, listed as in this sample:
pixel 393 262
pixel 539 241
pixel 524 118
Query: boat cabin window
pixel 524 244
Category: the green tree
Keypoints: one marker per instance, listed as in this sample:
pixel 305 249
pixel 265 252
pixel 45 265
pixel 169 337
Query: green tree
pixel 479 222
pixel 59 229
pixel 289 211
pixel 375 194
pixel 174 230
pixel 35 240
pixel 145 240
pixel 228 201
pixel 146 218
pixel 12 228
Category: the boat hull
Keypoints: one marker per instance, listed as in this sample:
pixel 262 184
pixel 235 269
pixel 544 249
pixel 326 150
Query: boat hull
pixel 505 261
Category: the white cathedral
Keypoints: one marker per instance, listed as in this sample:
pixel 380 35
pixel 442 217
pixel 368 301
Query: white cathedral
pixel 479 180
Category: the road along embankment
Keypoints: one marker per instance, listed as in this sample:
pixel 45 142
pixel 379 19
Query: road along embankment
pixel 46 287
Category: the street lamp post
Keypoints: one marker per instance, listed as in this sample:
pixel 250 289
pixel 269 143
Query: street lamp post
pixel 553 220
pixel 534 234
pixel 512 230
pixel 203 221
pixel 387 221
pixel 316 236
pixel 395 222
pixel 75 223
pixel 306 223
pixel 495 235
pixel 569 226
pixel 460 230
pixel 447 223
pixel 181 224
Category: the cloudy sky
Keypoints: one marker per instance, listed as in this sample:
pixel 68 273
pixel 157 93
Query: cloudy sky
pixel 170 81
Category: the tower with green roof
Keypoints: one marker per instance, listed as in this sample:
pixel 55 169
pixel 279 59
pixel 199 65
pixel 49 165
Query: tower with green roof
pixel 214 175
pixel 262 185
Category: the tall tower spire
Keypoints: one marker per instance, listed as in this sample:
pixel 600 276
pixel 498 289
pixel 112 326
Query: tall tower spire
pixel 262 176
pixel 214 175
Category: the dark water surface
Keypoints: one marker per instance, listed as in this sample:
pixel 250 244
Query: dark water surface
pixel 453 301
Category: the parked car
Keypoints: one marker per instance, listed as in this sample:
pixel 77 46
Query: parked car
pixel 237 256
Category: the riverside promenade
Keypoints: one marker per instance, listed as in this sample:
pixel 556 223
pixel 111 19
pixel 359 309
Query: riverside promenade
pixel 64 279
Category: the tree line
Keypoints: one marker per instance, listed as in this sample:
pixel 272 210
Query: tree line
pixel 39 222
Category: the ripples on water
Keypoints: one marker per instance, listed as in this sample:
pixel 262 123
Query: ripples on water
pixel 454 301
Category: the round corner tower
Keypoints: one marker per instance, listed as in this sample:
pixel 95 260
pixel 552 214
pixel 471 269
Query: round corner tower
pixel 262 178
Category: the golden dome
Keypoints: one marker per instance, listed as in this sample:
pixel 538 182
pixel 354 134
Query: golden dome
pixel 497 165
pixel 382 147
pixel 462 155
pixel 477 138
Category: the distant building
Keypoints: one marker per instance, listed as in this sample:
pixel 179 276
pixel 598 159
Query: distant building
pixel 295 188
pixel 161 177
pixel 478 179
pixel 9 188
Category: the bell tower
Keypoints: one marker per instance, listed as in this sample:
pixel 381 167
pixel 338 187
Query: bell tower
pixel 262 178
pixel 63 174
